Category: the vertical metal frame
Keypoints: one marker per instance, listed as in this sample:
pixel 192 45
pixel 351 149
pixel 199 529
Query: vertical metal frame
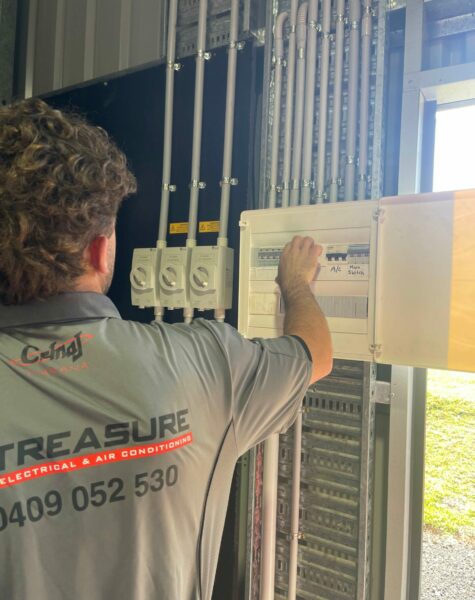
pixel 408 386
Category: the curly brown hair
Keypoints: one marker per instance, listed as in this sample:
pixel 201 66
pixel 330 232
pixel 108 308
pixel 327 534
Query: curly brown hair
pixel 61 185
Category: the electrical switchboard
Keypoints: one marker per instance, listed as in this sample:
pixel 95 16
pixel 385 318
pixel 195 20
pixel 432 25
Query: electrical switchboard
pixel 397 276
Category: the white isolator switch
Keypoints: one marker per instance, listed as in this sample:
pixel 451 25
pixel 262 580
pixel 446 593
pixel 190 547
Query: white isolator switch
pixel 172 278
pixel 211 277
pixel 143 277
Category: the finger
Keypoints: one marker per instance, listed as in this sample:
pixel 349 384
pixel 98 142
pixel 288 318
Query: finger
pixel 319 249
pixel 307 243
pixel 297 241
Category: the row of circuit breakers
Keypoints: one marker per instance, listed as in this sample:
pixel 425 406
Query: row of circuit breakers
pixel 397 276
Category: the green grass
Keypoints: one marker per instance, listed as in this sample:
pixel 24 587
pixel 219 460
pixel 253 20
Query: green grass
pixel 449 506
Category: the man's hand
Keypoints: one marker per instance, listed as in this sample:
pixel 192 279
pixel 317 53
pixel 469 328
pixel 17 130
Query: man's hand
pixel 298 267
pixel 298 264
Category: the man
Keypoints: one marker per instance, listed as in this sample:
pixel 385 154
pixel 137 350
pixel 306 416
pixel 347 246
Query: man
pixel 117 439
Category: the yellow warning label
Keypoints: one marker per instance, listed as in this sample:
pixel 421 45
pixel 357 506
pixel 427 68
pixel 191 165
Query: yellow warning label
pixel 178 228
pixel 209 227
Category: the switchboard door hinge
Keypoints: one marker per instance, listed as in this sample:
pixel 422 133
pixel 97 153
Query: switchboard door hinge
pixel 381 392
pixel 378 215
pixel 243 224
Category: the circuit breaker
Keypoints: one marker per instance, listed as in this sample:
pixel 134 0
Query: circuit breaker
pixel 397 278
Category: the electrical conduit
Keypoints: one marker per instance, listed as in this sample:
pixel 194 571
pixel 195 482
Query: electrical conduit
pixel 299 103
pixel 353 71
pixel 366 27
pixel 311 69
pixel 196 184
pixel 323 107
pixel 279 63
pixel 289 104
pixel 167 138
pixel 337 100
pixel 227 180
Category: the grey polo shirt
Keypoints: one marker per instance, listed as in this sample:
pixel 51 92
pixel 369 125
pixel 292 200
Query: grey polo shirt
pixel 117 446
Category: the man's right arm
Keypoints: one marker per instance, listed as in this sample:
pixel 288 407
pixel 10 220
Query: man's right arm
pixel 303 317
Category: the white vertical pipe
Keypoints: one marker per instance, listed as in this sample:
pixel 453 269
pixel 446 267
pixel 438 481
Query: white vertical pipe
pixel 279 63
pixel 322 121
pixel 289 104
pixel 229 125
pixel 295 510
pixel 196 184
pixel 337 100
pixel 366 27
pixel 168 124
pixel 299 103
pixel 227 181
pixel 311 69
pixel 353 71
pixel 269 516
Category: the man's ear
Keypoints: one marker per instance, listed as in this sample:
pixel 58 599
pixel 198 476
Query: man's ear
pixel 98 254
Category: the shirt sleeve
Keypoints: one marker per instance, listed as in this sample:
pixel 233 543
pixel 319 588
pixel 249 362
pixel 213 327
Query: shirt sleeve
pixel 269 378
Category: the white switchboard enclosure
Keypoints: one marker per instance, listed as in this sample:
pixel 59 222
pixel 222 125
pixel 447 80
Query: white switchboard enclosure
pixel 348 234
pixel 397 278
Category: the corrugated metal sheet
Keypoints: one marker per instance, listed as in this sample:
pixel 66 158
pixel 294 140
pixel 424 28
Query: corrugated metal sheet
pixel 74 41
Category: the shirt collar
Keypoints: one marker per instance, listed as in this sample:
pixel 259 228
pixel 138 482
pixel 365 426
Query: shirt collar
pixel 73 306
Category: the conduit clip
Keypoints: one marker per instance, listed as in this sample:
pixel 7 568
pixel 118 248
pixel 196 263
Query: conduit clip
pixel 355 25
pixel 350 160
pixel 238 45
pixel 204 55
pixel 340 18
pixel 173 66
pixel 229 181
pixel 314 25
pixel 296 536
pixel 168 187
pixel 308 183
pixel 285 185
pixel 295 184
pixel 198 184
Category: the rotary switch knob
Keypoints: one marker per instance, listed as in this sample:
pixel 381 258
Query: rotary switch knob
pixel 139 277
pixel 201 277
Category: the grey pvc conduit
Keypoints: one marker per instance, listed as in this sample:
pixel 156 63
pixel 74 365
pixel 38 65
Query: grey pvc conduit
pixel 269 516
pixel 295 510
pixel 311 70
pixel 279 62
pixel 168 125
pixel 299 103
pixel 323 107
pixel 196 184
pixel 353 72
pixel 289 104
pixel 337 100
pixel 167 136
pixel 227 180
pixel 366 27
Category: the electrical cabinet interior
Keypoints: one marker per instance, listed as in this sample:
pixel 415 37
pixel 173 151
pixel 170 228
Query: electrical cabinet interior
pixel 397 278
